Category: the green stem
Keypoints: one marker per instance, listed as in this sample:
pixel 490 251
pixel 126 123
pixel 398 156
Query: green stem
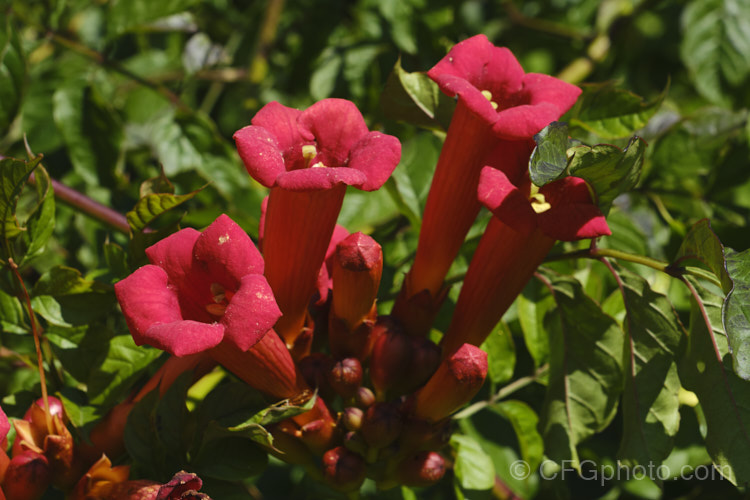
pixel 598 253
pixel 502 393
pixel 672 269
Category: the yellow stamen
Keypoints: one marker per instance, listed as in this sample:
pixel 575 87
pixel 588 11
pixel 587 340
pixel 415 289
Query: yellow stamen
pixel 309 152
pixel 488 95
pixel 539 204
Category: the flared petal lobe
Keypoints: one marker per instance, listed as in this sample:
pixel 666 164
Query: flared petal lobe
pixel 251 312
pixel 492 84
pixel 326 145
pixel 201 289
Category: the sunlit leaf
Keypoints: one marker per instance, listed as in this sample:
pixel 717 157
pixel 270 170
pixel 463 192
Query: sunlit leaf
pixel 736 311
pixel 650 402
pixel 706 369
pixel 612 113
pixel 585 373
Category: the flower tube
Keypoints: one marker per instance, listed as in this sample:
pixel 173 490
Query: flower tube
pixel 527 221
pixel 308 158
pixel 456 381
pixel 499 110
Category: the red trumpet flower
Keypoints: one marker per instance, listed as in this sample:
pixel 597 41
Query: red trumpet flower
pixel 308 158
pixel 526 223
pixel 499 110
pixel 199 290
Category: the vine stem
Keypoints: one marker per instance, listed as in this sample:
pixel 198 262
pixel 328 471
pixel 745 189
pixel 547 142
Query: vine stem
pixel 86 205
pixel 599 253
pixel 37 344
pixel 502 393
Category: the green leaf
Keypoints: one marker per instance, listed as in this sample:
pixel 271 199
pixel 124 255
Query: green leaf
pixel 650 403
pixel 533 305
pixel 152 206
pixel 91 131
pixel 736 311
pixel 702 244
pixel 612 113
pixel 706 369
pixel 585 373
pixel 122 366
pixel 323 79
pixel 11 314
pixel 716 44
pixel 414 98
pixel 140 433
pixel 473 467
pixel 501 354
pixel 549 159
pixel 411 180
pixel 13 176
pixel 156 185
pixel 230 404
pixel 62 280
pixel 280 411
pixel 230 459
pixel 12 74
pixel 524 421
pixel 125 15
pixel 607 169
pixel 41 222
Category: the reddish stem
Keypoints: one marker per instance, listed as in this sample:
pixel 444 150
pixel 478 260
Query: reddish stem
pixel 37 346
pixel 88 206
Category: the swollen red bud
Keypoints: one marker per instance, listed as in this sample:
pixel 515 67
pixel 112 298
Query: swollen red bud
pixel 345 377
pixel 27 477
pixel 364 397
pixel 382 425
pixel 344 469
pixel 423 469
pixel 357 267
pixel 352 418
pixel 456 381
pixel 55 408
pixel 391 358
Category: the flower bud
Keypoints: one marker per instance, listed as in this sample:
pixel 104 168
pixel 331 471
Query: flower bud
pixel 344 469
pixel 456 381
pixel 391 358
pixel 352 418
pixel 357 267
pixel 364 397
pixel 345 377
pixel 423 469
pixel 27 477
pixel 382 425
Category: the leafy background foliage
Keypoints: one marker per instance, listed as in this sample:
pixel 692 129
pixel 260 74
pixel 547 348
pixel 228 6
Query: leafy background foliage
pixel 133 102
